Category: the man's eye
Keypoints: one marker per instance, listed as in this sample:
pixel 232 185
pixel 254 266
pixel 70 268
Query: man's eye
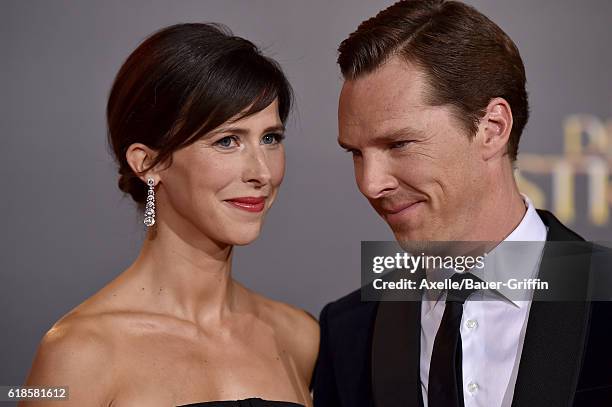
pixel 399 144
pixel 274 138
pixel 227 142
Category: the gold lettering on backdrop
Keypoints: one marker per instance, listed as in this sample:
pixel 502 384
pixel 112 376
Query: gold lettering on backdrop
pixel 587 153
pixel 563 190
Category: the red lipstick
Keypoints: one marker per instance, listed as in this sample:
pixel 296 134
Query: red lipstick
pixel 248 203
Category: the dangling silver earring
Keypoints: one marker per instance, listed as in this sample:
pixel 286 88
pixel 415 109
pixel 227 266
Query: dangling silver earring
pixel 149 212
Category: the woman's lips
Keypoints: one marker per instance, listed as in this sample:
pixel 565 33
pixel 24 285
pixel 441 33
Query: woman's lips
pixel 248 203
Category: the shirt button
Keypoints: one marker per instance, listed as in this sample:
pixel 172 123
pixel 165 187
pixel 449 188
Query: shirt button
pixel 471 323
pixel 472 387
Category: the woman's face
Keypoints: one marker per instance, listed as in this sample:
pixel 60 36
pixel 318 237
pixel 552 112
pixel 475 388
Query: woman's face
pixel 223 184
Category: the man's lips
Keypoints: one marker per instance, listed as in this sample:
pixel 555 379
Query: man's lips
pixel 248 203
pixel 394 213
pixel 391 210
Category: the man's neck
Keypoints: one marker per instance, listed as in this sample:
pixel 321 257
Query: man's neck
pixel 500 214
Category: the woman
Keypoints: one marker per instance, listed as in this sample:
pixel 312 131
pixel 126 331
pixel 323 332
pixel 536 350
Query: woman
pixel 196 119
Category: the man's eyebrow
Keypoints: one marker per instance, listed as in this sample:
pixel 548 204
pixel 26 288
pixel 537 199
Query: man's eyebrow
pixel 388 137
pixel 397 134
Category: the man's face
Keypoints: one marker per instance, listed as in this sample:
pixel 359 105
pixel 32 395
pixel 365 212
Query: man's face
pixel 415 163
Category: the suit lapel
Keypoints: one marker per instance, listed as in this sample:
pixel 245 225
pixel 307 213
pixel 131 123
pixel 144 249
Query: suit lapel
pixel 396 354
pixel 556 331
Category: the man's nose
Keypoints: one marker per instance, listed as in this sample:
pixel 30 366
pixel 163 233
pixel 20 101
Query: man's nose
pixel 374 177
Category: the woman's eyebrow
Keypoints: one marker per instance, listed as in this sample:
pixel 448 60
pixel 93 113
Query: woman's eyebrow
pixel 245 130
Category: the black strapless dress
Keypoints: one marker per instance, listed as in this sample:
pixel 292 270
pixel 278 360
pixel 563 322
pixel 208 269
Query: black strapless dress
pixel 254 402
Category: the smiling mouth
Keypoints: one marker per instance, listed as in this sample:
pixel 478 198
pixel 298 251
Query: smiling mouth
pixel 393 214
pixel 249 204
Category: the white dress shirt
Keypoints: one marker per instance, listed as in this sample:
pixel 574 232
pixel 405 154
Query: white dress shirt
pixel 492 332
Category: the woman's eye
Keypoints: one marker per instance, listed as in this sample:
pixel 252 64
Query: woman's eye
pixel 227 142
pixel 272 138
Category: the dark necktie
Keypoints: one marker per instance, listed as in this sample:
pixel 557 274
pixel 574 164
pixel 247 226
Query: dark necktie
pixel 445 374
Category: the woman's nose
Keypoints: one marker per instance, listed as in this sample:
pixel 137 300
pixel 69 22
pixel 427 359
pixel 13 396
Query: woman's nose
pixel 256 168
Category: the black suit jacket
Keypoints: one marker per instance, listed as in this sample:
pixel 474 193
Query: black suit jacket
pixel 566 358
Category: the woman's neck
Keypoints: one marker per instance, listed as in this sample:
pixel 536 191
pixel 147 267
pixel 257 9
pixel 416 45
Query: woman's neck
pixel 188 278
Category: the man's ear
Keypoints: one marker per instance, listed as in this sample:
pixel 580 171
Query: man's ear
pixel 140 157
pixel 494 128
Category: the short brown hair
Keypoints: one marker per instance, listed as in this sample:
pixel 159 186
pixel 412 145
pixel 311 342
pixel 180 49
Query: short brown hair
pixel 468 59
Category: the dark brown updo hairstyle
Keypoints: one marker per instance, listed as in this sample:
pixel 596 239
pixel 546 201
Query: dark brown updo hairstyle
pixel 181 83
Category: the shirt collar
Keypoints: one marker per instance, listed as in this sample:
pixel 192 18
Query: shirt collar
pixel 531 228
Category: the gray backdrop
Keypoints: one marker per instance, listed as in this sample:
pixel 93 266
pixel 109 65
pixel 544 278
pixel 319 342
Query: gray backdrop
pixel 66 229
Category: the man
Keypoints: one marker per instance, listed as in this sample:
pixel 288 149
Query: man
pixel 432 110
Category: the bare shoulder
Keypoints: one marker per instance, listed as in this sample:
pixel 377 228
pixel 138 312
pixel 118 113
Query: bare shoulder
pixel 297 329
pixel 75 353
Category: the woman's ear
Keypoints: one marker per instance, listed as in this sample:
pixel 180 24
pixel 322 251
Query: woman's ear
pixel 495 127
pixel 140 157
